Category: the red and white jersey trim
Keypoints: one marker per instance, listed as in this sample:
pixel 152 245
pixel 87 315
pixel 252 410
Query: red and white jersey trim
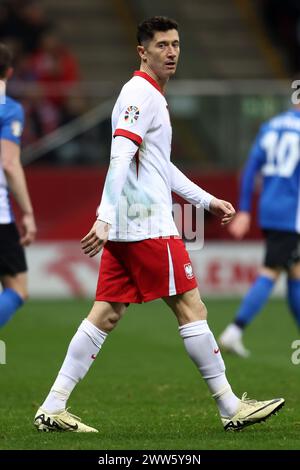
pixel 130 135
pixel 139 73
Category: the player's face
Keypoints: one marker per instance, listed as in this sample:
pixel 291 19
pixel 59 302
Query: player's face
pixel 162 53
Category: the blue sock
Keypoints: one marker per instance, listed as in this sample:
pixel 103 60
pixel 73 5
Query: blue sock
pixel 254 300
pixel 294 298
pixel 10 301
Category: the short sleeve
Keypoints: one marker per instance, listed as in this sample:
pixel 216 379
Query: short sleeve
pixel 13 123
pixel 137 112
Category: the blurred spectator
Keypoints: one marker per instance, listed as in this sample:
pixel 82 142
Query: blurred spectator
pixel 42 116
pixel 46 78
pixel 33 24
pixel 55 68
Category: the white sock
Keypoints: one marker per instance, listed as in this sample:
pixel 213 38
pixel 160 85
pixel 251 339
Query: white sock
pixel 81 354
pixel 202 348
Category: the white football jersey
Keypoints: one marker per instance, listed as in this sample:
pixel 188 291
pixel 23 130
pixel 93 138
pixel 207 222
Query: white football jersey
pixel 144 208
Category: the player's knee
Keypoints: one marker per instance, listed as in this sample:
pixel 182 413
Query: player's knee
pixel 114 318
pixel 111 321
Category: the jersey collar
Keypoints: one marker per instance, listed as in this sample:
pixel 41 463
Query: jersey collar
pixel 139 73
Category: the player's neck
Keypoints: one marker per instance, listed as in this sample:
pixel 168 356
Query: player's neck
pixel 162 83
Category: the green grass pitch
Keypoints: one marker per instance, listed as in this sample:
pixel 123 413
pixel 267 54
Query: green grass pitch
pixel 143 392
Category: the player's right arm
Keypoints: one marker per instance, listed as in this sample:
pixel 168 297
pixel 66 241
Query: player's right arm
pixel 242 221
pixel 127 138
pixel 122 152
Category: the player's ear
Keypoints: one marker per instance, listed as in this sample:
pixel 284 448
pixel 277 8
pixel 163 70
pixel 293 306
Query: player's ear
pixel 141 52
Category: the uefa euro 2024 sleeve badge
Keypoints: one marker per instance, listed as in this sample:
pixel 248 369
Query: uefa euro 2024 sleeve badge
pixel 131 115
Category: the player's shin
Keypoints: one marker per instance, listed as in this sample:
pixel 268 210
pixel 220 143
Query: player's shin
pixel 202 348
pixel 82 352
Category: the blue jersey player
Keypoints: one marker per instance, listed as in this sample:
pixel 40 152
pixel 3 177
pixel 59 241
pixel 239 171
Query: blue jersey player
pixel 13 276
pixel 276 156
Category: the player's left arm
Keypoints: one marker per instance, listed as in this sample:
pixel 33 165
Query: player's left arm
pixel 10 155
pixel 222 209
pixel 122 152
pixel 14 173
pixel 184 187
pixel 127 138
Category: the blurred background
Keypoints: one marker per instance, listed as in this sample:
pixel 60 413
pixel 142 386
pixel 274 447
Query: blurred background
pixel 238 59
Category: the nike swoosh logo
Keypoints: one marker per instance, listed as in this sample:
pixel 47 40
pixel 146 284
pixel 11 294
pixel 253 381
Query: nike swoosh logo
pixel 71 426
pixel 216 350
pixel 93 356
pixel 263 407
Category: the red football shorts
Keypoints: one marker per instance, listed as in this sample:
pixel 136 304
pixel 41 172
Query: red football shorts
pixel 135 272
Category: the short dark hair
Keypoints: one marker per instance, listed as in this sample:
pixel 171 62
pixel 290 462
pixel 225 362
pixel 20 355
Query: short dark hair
pixel 5 59
pixel 148 28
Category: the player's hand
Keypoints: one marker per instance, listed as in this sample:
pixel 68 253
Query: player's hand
pixel 28 229
pixel 95 240
pixel 222 209
pixel 241 225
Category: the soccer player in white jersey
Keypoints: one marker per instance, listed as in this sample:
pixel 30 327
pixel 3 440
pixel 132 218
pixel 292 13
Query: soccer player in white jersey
pixel 143 258
pixel 13 268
